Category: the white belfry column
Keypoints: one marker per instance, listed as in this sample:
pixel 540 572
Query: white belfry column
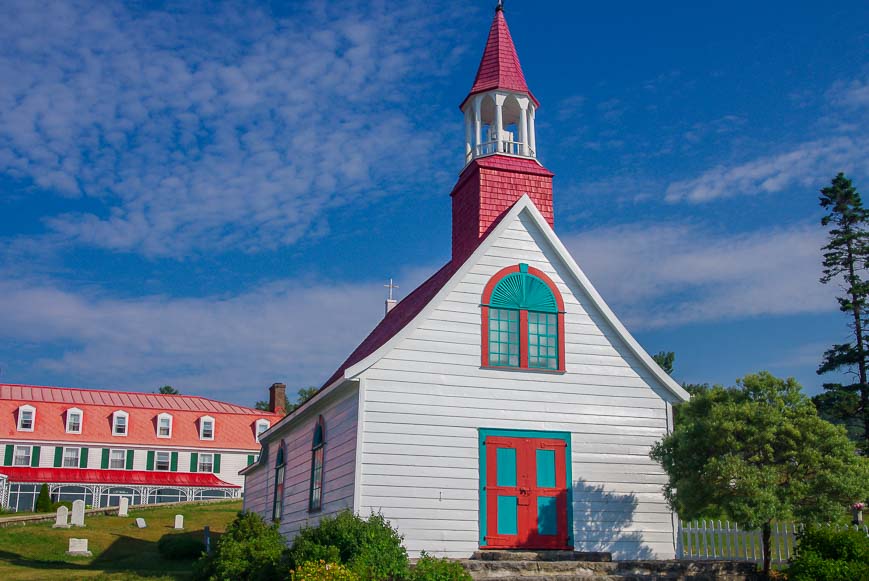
pixel 532 136
pixel 523 127
pixel 499 122
pixel 468 135
pixel 478 126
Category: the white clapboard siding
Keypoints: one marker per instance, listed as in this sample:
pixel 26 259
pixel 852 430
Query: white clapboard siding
pixel 426 398
pixel 340 418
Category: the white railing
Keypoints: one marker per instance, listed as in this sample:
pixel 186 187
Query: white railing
pixel 508 147
pixel 717 540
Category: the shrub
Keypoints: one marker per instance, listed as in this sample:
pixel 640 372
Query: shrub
pixel 826 554
pixel 430 568
pixel 323 571
pixel 57 505
pixel 370 547
pixel 180 546
pixel 249 550
pixel 43 501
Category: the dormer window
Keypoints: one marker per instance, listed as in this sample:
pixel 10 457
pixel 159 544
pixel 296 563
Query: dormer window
pixel 26 418
pixel 73 421
pixel 164 426
pixel 261 427
pixel 206 428
pixel 119 423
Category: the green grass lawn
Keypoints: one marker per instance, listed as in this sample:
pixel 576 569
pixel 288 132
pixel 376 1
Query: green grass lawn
pixel 121 551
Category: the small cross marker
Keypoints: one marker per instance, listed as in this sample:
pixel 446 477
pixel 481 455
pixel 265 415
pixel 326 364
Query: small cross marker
pixel 391 286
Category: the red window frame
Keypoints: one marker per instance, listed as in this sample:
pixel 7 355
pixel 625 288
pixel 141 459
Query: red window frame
pixel 523 321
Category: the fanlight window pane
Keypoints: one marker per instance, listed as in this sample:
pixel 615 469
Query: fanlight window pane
pixel 504 337
pixel 542 340
pixel 70 457
pixel 117 459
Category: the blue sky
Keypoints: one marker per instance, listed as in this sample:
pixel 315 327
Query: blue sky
pixel 213 194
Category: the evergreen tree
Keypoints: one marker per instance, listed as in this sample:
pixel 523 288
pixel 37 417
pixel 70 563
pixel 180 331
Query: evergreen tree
pixel 168 390
pixel 43 501
pixel 665 359
pixel 845 261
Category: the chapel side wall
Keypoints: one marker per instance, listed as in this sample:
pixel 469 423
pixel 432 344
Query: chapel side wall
pixel 339 464
pixel 426 399
pixel 256 491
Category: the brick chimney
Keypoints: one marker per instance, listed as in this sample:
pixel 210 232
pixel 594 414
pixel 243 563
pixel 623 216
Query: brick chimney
pixel 278 398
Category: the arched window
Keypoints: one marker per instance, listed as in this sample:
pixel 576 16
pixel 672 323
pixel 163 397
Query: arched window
pixel 315 499
pixel 522 321
pixel 280 468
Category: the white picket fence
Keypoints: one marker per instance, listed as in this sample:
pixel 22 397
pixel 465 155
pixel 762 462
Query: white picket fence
pixel 726 541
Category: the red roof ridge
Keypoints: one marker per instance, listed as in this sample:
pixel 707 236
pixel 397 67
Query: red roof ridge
pixel 134 399
pixel 500 68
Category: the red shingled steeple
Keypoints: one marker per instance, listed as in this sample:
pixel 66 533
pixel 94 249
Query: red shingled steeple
pixel 499 67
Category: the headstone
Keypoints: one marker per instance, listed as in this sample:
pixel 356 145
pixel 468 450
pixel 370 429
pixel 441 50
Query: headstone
pixel 78 513
pixel 124 508
pixel 179 521
pixel 61 521
pixel 79 548
pixel 140 522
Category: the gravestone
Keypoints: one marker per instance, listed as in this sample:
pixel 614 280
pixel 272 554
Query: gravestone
pixel 78 513
pixel 124 507
pixel 61 521
pixel 140 522
pixel 179 521
pixel 78 548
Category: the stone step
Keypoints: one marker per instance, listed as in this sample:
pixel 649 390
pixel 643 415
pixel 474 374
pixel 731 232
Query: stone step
pixel 511 570
pixel 543 555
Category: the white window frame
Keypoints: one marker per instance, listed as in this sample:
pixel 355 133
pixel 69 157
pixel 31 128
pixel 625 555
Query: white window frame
pixel 69 414
pixel 21 410
pixel 160 417
pixel 168 461
pixel 77 458
pixel 259 423
pixel 123 459
pixel 202 422
pixel 29 455
pixel 200 463
pixel 115 416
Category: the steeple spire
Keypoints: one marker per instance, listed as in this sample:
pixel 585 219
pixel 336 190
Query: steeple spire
pixel 500 68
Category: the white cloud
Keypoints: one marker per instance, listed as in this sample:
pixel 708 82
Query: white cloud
pixel 656 276
pixel 215 126
pixel 805 165
pixel 223 346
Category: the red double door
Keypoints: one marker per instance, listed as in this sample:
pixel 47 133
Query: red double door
pixel 526 493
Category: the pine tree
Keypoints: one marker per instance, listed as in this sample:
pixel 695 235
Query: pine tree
pixel 845 261
pixel 43 501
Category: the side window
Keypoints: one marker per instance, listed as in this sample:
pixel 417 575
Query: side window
pixel 280 468
pixel 315 498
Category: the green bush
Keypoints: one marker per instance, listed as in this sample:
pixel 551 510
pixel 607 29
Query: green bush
pixel 57 505
pixel 323 571
pixel 180 546
pixel 249 550
pixel 430 568
pixel 370 547
pixel 826 554
pixel 43 501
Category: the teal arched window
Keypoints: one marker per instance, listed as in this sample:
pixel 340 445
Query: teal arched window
pixel 315 498
pixel 523 321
